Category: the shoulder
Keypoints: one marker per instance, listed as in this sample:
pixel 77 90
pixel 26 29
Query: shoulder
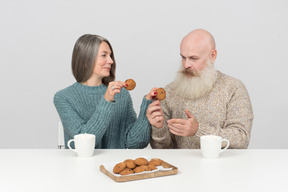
pixel 64 93
pixel 230 85
pixel 229 81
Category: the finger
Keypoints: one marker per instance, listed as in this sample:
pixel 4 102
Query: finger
pixel 154 109
pixel 122 84
pixel 119 84
pixel 156 120
pixel 153 90
pixel 188 113
pixel 116 91
pixel 177 126
pixel 156 114
pixel 152 93
pixel 175 131
pixel 159 118
pixel 177 121
pixel 154 104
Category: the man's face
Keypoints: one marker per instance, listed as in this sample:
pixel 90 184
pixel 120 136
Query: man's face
pixel 194 57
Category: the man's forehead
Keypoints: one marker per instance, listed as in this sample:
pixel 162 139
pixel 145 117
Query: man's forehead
pixel 192 49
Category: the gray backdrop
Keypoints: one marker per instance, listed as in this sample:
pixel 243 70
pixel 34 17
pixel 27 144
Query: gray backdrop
pixel 37 39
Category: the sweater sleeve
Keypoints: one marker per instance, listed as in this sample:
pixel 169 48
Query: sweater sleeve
pixel 138 131
pixel 161 138
pixel 239 118
pixel 73 123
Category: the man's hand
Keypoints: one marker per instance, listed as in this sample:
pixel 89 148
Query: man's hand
pixel 184 127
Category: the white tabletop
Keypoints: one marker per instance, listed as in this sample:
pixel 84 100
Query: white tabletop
pixel 60 170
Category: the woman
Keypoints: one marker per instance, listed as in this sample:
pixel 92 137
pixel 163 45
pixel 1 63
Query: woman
pixel 91 105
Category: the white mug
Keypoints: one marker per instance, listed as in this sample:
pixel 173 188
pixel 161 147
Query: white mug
pixel 211 145
pixel 84 144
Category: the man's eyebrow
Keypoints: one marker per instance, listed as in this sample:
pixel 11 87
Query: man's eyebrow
pixel 189 56
pixel 182 55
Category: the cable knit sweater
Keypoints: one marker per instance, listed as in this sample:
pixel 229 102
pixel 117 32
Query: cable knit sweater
pixel 83 109
pixel 225 111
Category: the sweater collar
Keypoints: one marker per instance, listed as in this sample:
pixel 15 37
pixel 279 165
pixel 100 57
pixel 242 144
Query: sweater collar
pixel 90 89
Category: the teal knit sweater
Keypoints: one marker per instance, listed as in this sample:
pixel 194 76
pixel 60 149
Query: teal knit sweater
pixel 83 109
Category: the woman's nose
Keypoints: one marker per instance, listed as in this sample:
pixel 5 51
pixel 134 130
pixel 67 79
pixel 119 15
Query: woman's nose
pixel 110 60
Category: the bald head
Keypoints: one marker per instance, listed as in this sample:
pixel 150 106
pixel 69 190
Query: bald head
pixel 197 49
pixel 200 37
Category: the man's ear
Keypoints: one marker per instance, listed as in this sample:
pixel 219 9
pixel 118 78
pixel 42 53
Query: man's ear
pixel 213 55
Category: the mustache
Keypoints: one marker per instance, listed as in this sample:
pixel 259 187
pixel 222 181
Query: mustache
pixel 190 73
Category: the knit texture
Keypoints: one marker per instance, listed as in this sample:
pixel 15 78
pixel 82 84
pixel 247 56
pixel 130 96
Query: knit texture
pixel 225 111
pixel 83 109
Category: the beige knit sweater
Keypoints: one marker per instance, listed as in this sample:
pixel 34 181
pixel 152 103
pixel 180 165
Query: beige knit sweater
pixel 225 111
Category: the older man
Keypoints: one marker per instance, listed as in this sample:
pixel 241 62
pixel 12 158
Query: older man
pixel 201 101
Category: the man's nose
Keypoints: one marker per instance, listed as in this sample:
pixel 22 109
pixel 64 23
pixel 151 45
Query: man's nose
pixel 187 64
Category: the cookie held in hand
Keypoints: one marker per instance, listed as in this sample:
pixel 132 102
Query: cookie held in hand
pixel 161 94
pixel 131 84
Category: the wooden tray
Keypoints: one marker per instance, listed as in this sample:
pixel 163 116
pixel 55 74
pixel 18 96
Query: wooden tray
pixel 147 175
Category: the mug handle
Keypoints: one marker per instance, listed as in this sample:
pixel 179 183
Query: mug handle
pixel 68 144
pixel 223 140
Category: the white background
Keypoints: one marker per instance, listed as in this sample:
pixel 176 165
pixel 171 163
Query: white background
pixel 37 38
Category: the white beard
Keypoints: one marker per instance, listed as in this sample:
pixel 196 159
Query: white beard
pixel 192 85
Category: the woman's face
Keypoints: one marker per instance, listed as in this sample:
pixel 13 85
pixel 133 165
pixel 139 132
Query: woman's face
pixel 103 61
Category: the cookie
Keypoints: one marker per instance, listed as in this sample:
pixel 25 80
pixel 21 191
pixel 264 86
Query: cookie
pixel 155 162
pixel 161 94
pixel 151 167
pixel 131 84
pixel 119 167
pixel 141 161
pixel 126 171
pixel 130 163
pixel 140 169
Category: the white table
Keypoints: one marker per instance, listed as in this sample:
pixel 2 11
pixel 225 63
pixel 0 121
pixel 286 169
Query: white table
pixel 60 170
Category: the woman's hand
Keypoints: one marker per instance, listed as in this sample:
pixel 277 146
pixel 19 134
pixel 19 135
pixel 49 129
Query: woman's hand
pixel 155 114
pixel 152 94
pixel 113 88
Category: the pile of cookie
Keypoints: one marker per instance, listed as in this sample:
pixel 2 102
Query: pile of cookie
pixel 130 166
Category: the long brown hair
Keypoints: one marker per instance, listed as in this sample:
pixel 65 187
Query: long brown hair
pixel 84 55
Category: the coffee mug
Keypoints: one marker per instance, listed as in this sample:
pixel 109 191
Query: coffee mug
pixel 211 145
pixel 84 144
